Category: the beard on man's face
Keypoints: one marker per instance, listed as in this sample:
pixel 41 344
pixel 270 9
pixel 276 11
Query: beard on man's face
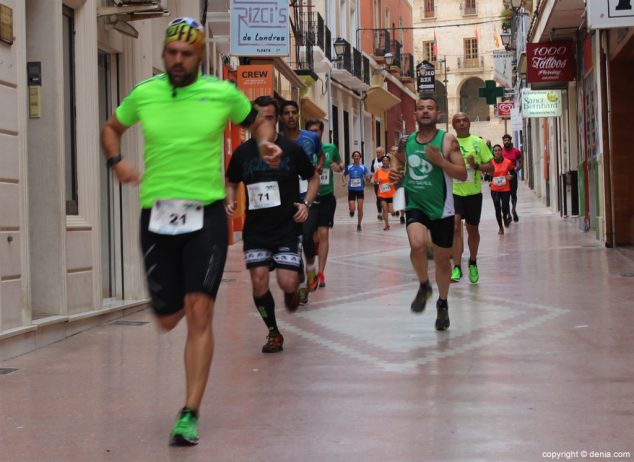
pixel 179 77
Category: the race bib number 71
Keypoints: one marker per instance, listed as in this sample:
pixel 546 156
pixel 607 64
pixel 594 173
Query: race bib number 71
pixel 263 195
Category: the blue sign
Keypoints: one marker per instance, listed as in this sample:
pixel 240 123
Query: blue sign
pixel 259 28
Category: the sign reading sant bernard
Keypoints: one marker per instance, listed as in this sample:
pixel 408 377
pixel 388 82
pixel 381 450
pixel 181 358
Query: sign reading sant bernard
pixel 608 14
pixel 541 103
pixel 259 28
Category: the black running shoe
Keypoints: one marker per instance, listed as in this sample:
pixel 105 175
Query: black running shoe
pixel 423 294
pixel 274 343
pixel 442 315
pixel 515 217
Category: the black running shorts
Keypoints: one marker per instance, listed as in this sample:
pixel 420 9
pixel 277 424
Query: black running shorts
pixel 185 263
pixel 469 208
pixel 441 229
pixel 284 256
pixel 327 207
pixel 353 195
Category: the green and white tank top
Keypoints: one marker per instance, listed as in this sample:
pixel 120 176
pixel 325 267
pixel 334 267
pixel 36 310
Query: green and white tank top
pixel 427 187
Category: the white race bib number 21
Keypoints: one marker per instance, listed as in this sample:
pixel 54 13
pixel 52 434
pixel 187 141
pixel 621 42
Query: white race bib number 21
pixel 174 217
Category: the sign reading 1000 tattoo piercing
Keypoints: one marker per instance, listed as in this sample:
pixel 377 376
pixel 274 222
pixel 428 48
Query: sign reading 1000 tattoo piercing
pixel 259 28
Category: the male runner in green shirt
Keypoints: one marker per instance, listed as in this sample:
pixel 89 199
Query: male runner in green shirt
pixel 467 195
pixel 428 160
pixel 326 197
pixel 183 222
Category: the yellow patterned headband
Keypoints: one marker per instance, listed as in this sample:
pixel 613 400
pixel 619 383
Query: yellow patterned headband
pixel 185 30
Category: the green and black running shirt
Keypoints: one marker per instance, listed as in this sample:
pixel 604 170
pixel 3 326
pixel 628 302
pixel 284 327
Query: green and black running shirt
pixel 427 187
pixel 183 129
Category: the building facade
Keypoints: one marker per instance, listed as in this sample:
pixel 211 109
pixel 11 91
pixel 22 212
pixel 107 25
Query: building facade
pixel 578 162
pixel 386 30
pixel 458 37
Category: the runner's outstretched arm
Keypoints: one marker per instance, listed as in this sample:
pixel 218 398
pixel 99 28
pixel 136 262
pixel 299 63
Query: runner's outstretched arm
pixel 111 134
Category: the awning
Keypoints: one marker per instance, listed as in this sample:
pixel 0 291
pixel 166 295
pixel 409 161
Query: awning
pixel 310 110
pixel 378 100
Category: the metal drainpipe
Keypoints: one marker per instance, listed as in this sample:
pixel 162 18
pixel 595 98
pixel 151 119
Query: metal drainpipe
pixel 605 41
pixel 362 100
pixel 329 77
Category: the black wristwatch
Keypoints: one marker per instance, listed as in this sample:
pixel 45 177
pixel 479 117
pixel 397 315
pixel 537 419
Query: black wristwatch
pixel 114 161
pixel 308 204
pixel 476 166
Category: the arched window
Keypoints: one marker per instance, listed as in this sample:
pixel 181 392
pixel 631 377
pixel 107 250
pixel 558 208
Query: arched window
pixel 470 103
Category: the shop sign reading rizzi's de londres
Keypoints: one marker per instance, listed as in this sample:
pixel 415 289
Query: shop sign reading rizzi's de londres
pixel 259 28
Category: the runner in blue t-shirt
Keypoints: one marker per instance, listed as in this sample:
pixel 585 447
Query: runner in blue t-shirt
pixel 356 174
pixel 311 144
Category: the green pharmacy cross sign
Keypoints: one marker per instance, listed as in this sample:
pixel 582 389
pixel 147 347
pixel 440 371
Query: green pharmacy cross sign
pixel 491 92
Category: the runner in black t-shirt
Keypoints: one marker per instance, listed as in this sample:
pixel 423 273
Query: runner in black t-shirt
pixel 273 218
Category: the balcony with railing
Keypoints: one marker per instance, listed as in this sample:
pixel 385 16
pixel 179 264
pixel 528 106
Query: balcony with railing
pixel 381 44
pixel 366 70
pixel 407 67
pixel 313 38
pixel 356 63
pixel 351 68
pixel 470 64
pixel 397 57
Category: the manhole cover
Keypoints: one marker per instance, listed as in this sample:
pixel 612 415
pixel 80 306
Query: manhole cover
pixel 6 370
pixel 131 323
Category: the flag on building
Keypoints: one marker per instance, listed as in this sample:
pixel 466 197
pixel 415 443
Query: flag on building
pixel 435 46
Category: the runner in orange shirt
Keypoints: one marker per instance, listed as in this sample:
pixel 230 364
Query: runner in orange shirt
pixel 386 190
pixel 501 187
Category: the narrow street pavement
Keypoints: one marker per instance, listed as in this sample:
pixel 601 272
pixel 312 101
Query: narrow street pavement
pixel 538 358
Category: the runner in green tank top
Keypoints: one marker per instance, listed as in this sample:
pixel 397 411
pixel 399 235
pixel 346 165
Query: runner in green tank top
pixel 428 160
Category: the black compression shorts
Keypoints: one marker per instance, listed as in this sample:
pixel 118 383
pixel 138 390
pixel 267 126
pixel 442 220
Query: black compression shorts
pixel 185 263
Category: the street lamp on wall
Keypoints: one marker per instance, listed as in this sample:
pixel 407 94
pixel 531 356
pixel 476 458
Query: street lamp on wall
pixel 340 46
pixel 389 59
pixel 507 38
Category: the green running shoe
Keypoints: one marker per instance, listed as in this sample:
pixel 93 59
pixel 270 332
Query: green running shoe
pixel 456 274
pixel 474 276
pixel 185 431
